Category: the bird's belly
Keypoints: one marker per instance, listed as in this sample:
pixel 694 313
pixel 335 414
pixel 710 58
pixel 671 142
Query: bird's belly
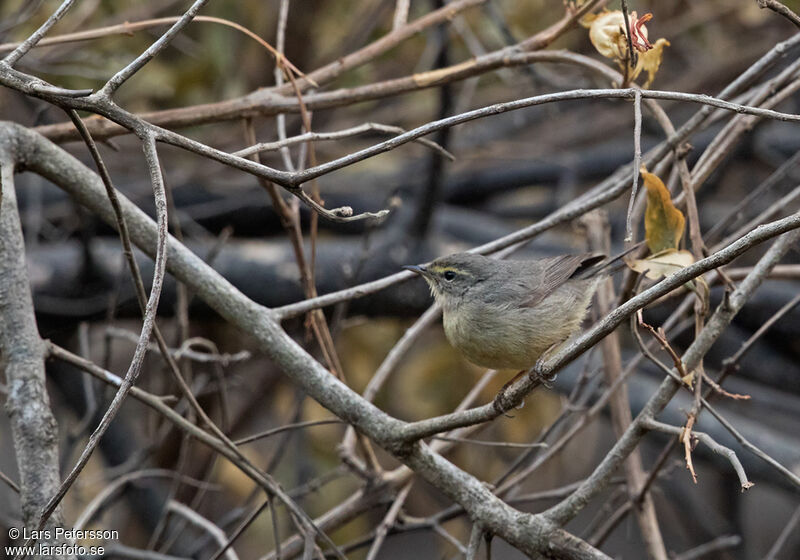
pixel 504 339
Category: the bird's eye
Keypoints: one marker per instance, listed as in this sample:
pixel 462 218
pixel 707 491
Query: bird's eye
pixel 449 275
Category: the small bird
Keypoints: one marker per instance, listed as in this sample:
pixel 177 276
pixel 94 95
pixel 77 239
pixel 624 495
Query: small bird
pixel 505 314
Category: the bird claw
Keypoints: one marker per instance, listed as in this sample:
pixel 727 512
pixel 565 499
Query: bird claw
pixel 548 382
pixel 536 372
pixel 500 403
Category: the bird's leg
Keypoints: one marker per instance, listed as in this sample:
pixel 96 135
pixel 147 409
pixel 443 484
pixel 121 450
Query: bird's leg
pixel 500 404
pixel 535 372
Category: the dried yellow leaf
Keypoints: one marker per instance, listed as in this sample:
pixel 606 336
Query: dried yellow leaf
pixel 650 61
pixel 663 223
pixel 662 264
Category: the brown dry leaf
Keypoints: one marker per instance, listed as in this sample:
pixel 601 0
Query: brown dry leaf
pixel 650 61
pixel 663 223
pixel 662 264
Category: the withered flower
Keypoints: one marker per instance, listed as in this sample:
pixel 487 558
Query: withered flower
pixel 607 34
pixel 639 32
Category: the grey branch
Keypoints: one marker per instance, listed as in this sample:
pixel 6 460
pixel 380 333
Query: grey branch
pixel 200 521
pixel 159 45
pixel 33 426
pixel 337 135
pixel 23 48
pixel 717 448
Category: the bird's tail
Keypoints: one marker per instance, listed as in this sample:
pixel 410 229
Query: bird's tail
pixel 608 265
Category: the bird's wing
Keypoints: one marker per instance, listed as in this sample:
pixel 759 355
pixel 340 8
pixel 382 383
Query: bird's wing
pixel 556 271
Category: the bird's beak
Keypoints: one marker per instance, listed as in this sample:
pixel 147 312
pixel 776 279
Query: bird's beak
pixel 419 269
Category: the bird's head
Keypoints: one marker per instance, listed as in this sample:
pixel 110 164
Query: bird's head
pixel 452 276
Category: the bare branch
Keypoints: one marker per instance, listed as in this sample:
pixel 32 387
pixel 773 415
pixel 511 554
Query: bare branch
pixel 138 63
pixel 200 521
pixel 346 133
pixel 784 536
pixel 37 35
pixel 272 432
pixel 637 159
pixel 702 551
pixel 100 500
pixel 524 531
pixel 33 425
pixel 148 323
pixel 388 521
pixel 726 452
pixel 780 8
pixel 792 477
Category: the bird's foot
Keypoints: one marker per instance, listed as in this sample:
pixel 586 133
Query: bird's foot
pixel 539 373
pixel 501 401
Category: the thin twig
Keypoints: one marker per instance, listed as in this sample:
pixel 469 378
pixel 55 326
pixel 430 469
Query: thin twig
pixel 198 520
pixel 506 444
pixel 787 531
pixel 11 484
pixel 272 432
pixel 637 159
pixel 780 8
pixel 625 93
pixel 148 322
pixel 709 441
pixel 337 135
pixel 388 521
pixel 23 48
pixel 788 474
pixel 631 59
pixel 400 17
pixel 718 544
pixel 159 45
pixel 240 529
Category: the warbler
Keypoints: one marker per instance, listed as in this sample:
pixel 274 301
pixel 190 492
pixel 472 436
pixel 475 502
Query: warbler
pixel 505 314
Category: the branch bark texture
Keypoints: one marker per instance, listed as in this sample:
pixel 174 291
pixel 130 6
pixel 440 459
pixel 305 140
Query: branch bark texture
pixel 33 426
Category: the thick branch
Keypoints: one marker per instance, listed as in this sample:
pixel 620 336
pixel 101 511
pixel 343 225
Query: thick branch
pixel 33 426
